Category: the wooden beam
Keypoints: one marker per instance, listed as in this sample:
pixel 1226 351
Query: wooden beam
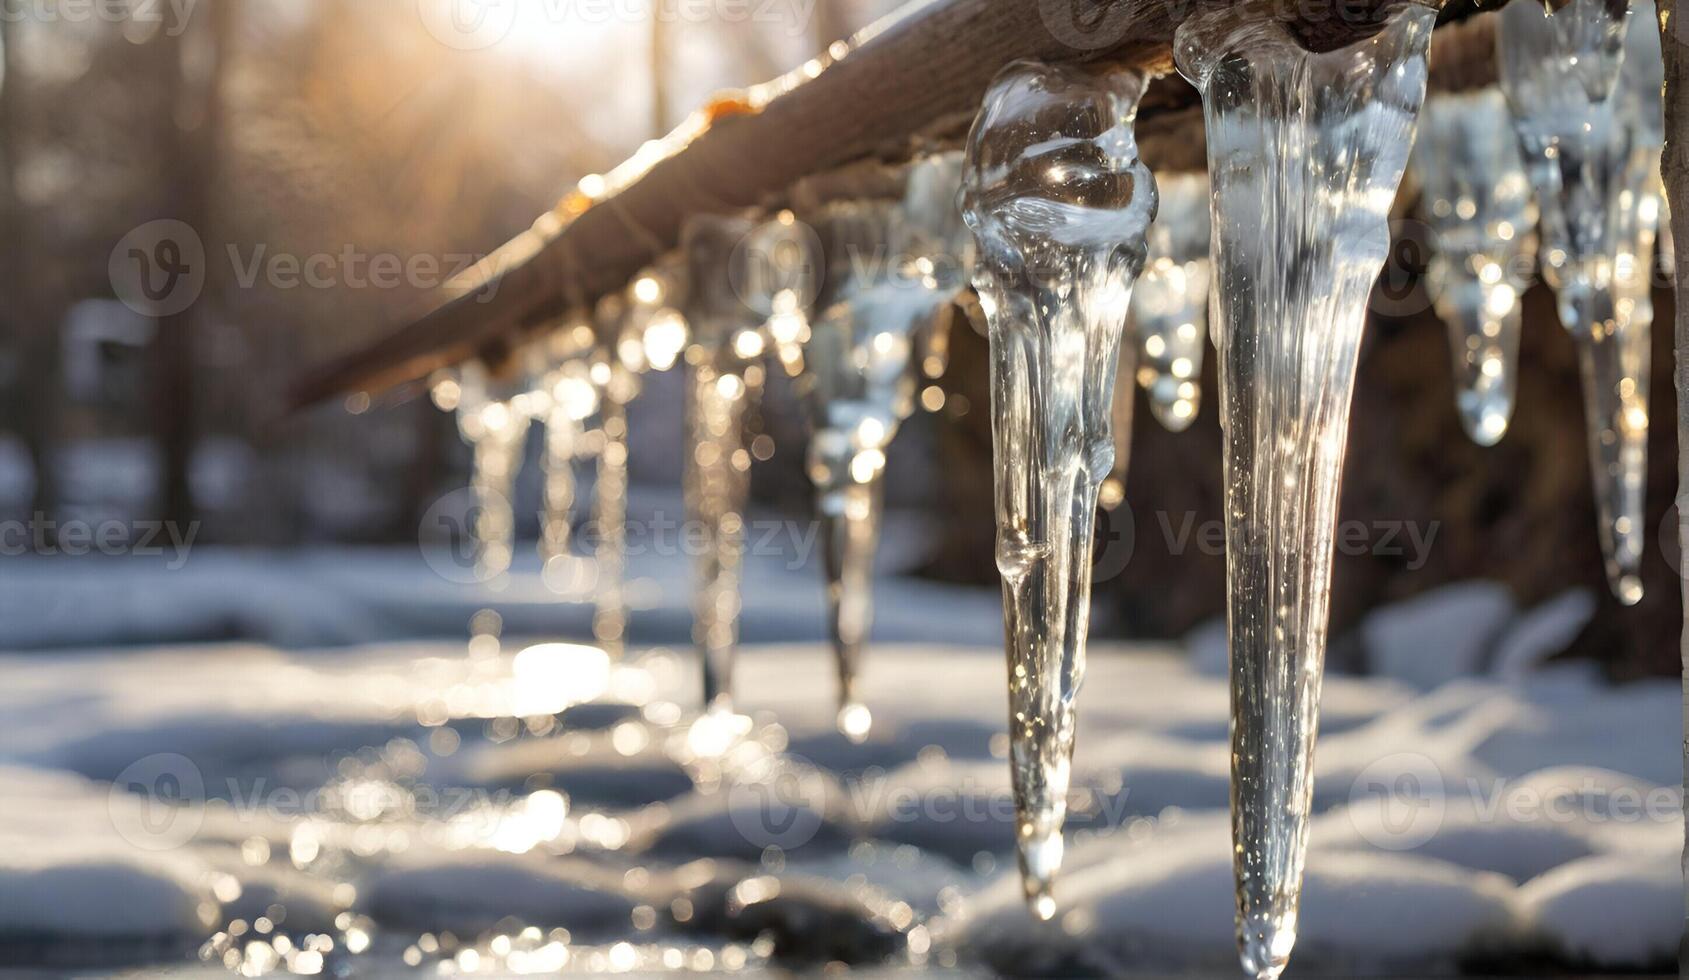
pixel 915 80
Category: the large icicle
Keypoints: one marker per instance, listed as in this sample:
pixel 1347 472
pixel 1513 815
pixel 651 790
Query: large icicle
pixel 1478 204
pixel 1560 73
pixel 723 379
pixel 863 367
pixel 496 430
pixel 1060 204
pixel 1305 153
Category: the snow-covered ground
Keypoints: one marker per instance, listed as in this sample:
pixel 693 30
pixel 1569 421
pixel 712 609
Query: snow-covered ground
pixel 323 796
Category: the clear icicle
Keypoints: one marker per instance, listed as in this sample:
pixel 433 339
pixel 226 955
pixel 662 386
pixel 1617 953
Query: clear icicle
pixel 1168 325
pixel 724 379
pixel 566 399
pixel 1060 204
pixel 616 371
pixel 775 275
pixel 862 370
pixel 1477 202
pixel 1170 303
pixel 1305 153
pixel 1582 138
pixel 497 432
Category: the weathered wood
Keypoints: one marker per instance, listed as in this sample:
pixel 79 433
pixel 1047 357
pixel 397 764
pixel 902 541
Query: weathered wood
pixel 911 83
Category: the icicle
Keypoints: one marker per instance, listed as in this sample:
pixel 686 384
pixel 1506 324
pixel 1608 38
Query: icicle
pixel 1168 325
pixel 656 332
pixel 567 398
pixel 1478 203
pixel 1560 76
pixel 1060 204
pixel 863 367
pixel 616 373
pixel 1170 304
pixel 776 277
pixel 1305 153
pixel 723 381
pixel 497 431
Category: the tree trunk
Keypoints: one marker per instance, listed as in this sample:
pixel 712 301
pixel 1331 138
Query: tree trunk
pixel 192 128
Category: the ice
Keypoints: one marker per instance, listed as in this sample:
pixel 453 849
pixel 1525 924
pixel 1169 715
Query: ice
pixel 1483 218
pixel 496 429
pixel 1060 205
pixel 1591 135
pixel 862 369
pixel 616 370
pixel 1170 303
pixel 724 379
pixel 565 397
pixel 1305 153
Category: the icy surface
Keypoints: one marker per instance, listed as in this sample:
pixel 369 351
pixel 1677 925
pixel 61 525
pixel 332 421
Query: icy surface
pixel 1305 154
pixel 1060 204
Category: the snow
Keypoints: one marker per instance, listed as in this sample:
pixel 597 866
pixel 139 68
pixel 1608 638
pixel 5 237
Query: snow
pixel 1613 911
pixel 1437 636
pixel 155 796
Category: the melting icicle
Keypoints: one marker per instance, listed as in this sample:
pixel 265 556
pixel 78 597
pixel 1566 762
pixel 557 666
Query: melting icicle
pixel 775 275
pixel 1170 303
pixel 862 371
pixel 616 373
pixel 1560 74
pixel 1305 152
pixel 1478 204
pixel 723 380
pixel 1168 325
pixel 1060 204
pixel 497 432
pixel 567 398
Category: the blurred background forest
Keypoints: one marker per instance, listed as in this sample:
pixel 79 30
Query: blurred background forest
pixel 321 134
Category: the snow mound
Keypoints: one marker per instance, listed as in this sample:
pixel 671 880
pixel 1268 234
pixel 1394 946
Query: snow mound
pixel 470 893
pixel 1619 912
pixel 1437 636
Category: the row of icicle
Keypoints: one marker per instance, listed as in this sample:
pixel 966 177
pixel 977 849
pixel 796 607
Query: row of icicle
pixel 1274 252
